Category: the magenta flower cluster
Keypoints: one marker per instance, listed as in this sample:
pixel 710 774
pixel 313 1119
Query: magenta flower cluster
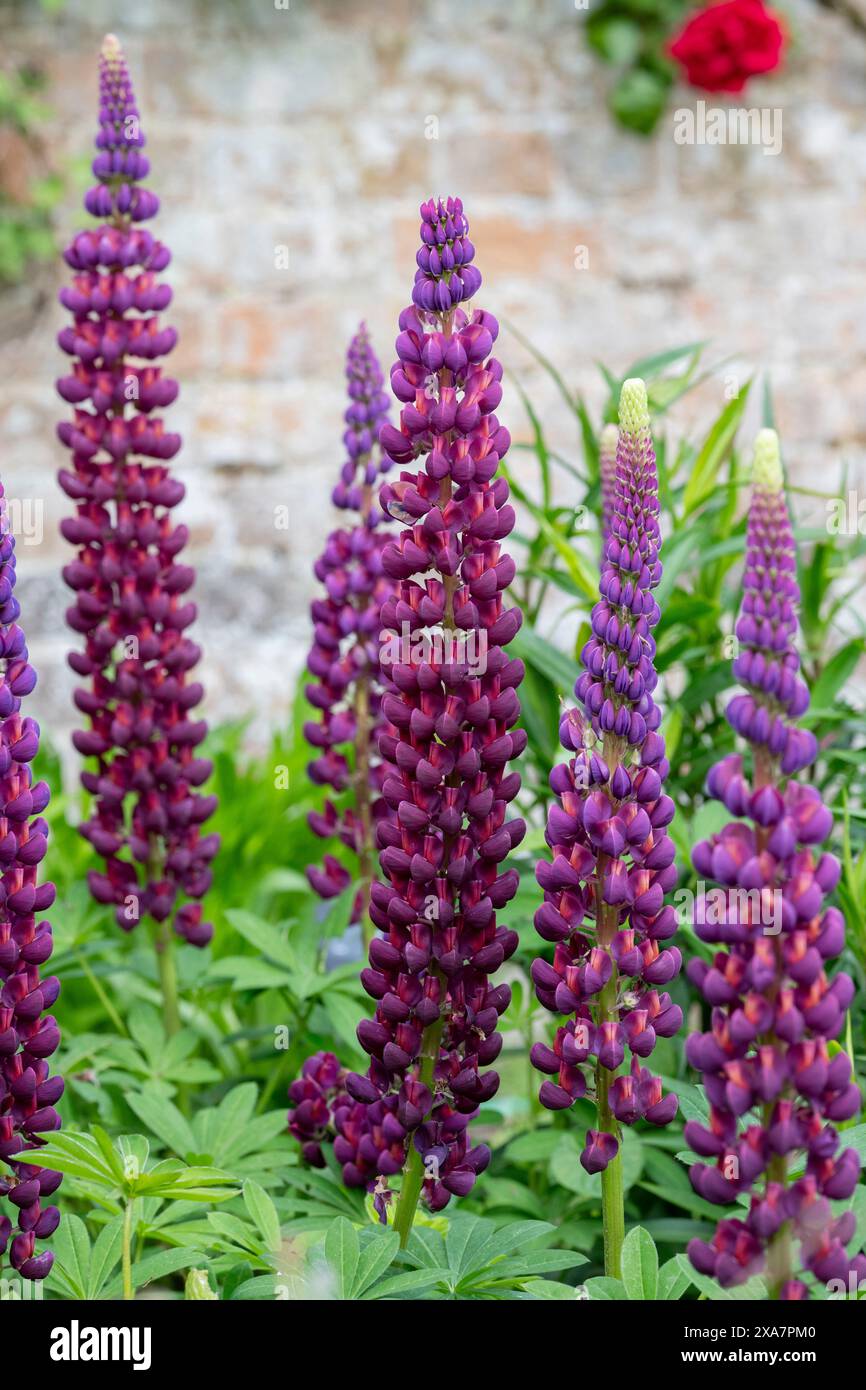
pixel 612 860
pixel 452 706
pixel 132 606
pixel 344 658
pixel 776 1083
pixel 28 1034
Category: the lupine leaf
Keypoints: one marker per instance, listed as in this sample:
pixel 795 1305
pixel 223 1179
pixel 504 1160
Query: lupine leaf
pixel 342 1252
pixel 640 1264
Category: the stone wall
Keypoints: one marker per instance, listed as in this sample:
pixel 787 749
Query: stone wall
pixel 319 128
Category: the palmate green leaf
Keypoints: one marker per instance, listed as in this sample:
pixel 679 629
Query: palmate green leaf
pixel 693 1102
pixel 239 1235
pixel 250 974
pixel 70 1274
pixel 79 1156
pixel 263 1213
pixel 672 728
pixel 259 1138
pixel 550 1289
pixel 855 1138
pixel 466 1235
pixel 259 1288
pixel 640 1264
pixel 414 1281
pixel 566 1169
pixel 342 1010
pixel 677 1230
pixel 605 1289
pixel 163 1119
pixel 536 1146
pixel 664 1170
pixel 673 1281
pixel 556 377
pixel 104 1256
pixel 679 552
pixel 146 1029
pixel 517 1267
pixel 488 1244
pixel 508 1194
pixel 133 1152
pixel 323 1194
pixel 376 1257
pixel 157 1265
pixel 653 365
pixel 427 1246
pixel 576 564
pixel 534 649
pixel 712 453
pixel 835 674
pixel 688 1201
pixel 174 1180
pixel 217 1128
pixel 266 938
pixel 539 444
pixel 343 1252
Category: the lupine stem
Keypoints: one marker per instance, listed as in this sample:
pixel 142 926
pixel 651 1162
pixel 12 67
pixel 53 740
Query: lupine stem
pixel 779 1249
pixel 167 968
pixel 612 1199
pixel 126 1252
pixel 101 995
pixel 612 1189
pixel 413 1172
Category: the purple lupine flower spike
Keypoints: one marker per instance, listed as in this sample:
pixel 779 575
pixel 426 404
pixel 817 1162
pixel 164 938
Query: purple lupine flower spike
pixel 28 1035
pixel 453 708
pixel 775 1082
pixel 131 594
pixel 607 476
pixel 612 856
pixel 344 658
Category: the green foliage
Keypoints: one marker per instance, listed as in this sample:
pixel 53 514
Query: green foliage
pixel 26 233
pixel 632 36
pixel 179 1169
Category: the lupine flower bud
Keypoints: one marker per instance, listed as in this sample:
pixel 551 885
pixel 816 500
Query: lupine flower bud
pixel 612 859
pixel 776 1081
pixel 453 708
pixel 132 605
pixel 28 1034
pixel 344 658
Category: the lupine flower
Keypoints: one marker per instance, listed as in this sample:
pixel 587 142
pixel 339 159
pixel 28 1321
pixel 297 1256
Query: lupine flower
pixel 607 475
pixel 28 1035
pixel 131 606
pixel 345 654
pixel 453 709
pixel 776 1082
pixel 313 1094
pixel 612 859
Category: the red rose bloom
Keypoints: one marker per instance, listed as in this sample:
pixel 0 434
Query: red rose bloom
pixel 721 47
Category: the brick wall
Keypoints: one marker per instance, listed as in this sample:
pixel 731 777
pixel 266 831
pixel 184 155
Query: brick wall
pixel 309 128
